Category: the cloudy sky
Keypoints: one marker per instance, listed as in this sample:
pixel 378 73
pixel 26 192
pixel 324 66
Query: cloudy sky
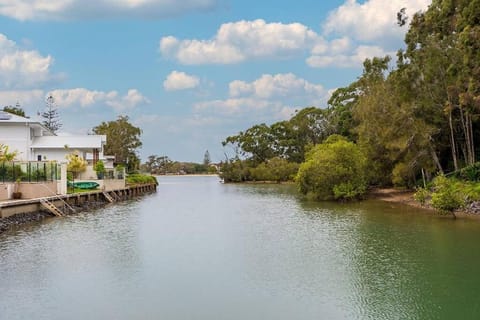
pixel 191 72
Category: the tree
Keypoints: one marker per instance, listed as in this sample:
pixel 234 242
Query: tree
pixel 306 128
pixel 51 115
pixel 5 154
pixel 206 159
pixel 441 61
pixel 17 110
pixel 76 163
pixel 256 143
pixel 335 169
pixel 123 140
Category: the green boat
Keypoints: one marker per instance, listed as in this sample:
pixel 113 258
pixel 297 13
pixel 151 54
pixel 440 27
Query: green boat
pixel 84 185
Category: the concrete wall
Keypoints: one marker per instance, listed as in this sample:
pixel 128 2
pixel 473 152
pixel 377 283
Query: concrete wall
pixel 38 190
pixel 28 190
pixel 5 191
pixel 88 174
pixel 114 184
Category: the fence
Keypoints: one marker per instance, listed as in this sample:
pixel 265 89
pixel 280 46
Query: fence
pixel 111 174
pixel 31 171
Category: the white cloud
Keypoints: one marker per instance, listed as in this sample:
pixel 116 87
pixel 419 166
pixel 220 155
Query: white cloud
pixel 20 69
pixel 24 97
pixel 180 81
pixel 74 98
pixel 372 20
pixel 131 100
pixel 238 41
pixel 82 9
pixel 234 105
pixel 363 30
pixel 279 85
pixel 82 97
pixel 272 95
pixel 347 59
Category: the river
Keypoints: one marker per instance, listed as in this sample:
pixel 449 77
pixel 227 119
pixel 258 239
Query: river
pixel 199 249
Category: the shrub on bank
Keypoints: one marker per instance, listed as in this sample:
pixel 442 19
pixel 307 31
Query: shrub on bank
pixel 275 169
pixel 335 169
pixel 138 178
pixel 448 194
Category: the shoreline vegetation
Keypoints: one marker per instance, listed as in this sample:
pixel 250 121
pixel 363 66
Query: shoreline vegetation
pixel 407 124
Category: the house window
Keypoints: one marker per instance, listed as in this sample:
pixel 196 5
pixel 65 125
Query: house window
pixel 39 157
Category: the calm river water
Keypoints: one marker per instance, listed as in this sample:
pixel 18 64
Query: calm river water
pixel 199 249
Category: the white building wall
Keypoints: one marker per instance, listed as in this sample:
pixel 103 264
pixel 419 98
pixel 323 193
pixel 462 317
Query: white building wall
pixel 16 137
pixel 51 155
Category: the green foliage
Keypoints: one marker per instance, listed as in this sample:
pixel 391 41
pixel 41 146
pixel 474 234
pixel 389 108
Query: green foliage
pixel 17 110
pixel 206 159
pixel 446 197
pixel 99 167
pixel 469 173
pixel 471 191
pixel 50 115
pixel 411 121
pixel 286 139
pixel 123 140
pixel 5 154
pixel 10 171
pixel 76 163
pixel 348 191
pixel 275 169
pixel 133 179
pixel 334 169
pixel 235 171
pixel 422 195
pixel 401 175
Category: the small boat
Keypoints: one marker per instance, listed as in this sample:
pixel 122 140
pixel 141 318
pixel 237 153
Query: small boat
pixel 84 185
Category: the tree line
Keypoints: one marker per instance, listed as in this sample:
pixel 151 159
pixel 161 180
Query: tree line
pixel 410 119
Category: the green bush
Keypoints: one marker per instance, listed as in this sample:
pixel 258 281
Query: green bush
pixel 347 191
pixel 446 197
pixel 275 169
pixel 10 171
pixel 235 171
pixel 421 195
pixel 469 173
pixel 335 169
pixel 140 179
pixel 99 167
pixel 401 175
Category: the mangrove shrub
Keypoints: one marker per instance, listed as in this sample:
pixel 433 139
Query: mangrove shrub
pixel 334 169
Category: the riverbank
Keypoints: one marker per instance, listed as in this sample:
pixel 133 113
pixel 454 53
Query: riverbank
pixel 406 197
pixel 14 213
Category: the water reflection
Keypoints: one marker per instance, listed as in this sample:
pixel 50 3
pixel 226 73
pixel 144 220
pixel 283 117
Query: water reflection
pixel 199 249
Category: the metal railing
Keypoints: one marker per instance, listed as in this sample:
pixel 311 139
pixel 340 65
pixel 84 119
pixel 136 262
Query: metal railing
pixel 29 171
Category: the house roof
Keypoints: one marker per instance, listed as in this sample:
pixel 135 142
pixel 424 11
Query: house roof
pixel 70 142
pixel 6 117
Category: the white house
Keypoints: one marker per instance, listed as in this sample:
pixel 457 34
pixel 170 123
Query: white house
pixel 34 142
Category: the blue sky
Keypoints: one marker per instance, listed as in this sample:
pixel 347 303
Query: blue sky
pixel 191 74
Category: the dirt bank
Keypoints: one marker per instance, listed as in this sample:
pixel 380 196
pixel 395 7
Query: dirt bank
pixel 406 197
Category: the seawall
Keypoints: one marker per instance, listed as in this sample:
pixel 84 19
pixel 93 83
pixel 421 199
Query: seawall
pixel 15 212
